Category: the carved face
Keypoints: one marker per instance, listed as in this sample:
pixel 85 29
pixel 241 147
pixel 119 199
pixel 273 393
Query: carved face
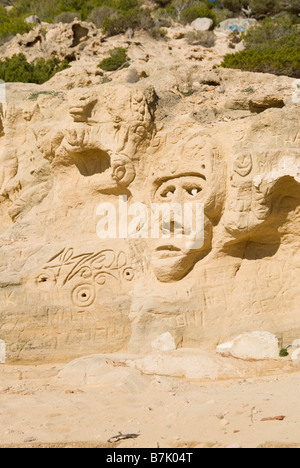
pixel 180 246
pixel 193 179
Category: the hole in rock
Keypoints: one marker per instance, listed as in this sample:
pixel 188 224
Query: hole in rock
pixel 259 107
pixel 34 42
pixel 79 33
pixel 92 162
pixel 71 57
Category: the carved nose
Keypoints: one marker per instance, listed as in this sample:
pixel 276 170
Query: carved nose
pixel 173 225
pixel 177 196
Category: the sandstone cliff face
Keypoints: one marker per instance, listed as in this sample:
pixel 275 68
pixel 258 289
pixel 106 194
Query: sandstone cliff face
pixel 77 143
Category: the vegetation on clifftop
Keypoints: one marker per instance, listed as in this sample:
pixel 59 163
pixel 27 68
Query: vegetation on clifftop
pixel 134 12
pixel 12 23
pixel 17 69
pixel 274 47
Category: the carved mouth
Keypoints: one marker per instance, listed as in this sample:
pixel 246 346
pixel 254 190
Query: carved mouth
pixel 169 248
pixel 168 251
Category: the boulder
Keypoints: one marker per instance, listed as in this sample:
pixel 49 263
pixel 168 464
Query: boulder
pixel 251 346
pixel 98 370
pixel 33 19
pixel 202 24
pixel 189 363
pixel 296 356
pixel 237 24
pixel 164 342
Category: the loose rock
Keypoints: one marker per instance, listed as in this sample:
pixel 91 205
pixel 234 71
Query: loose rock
pixel 164 342
pixel 295 356
pixel 237 24
pixel 33 19
pixel 256 346
pixel 202 24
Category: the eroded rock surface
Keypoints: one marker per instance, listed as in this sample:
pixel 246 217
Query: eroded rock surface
pixel 75 143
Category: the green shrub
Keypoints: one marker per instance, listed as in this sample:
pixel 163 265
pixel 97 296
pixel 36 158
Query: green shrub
pixel 188 15
pixel 100 14
pixel 271 30
pixel 116 25
pixel 46 10
pixel 292 6
pixel 283 61
pixel 221 14
pixel 272 48
pixel 261 8
pixel 145 21
pixel 272 7
pixel 203 38
pixel 158 33
pixel 161 17
pixel 163 3
pixel 235 5
pixel 283 352
pixel 66 17
pixel 186 11
pixel 116 16
pixel 11 23
pixel 44 70
pixel 17 69
pixel 118 59
pixel 121 22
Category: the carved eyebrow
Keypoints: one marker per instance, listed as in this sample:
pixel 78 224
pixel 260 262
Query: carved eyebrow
pixel 170 178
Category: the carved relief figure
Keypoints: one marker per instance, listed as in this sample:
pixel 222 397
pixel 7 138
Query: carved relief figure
pixel 108 142
pixel 199 178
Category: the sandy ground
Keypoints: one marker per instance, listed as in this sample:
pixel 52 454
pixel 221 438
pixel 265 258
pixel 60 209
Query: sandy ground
pixel 38 411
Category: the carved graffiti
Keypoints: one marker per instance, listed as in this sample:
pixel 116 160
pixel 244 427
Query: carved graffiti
pixel 85 273
pixel 243 164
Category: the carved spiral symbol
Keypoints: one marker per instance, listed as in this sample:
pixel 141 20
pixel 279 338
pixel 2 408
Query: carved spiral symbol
pixel 83 295
pixel 123 171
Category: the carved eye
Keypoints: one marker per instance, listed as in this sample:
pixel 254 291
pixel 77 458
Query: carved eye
pixel 194 191
pixel 168 192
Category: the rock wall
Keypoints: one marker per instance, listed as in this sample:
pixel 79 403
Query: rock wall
pixel 65 293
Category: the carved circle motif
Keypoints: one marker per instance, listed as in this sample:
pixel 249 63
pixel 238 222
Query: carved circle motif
pixel 101 278
pixel 123 171
pixel 128 274
pixel 120 173
pixel 83 295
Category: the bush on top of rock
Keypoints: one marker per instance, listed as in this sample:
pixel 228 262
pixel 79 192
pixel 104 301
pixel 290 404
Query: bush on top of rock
pixel 272 48
pixel 118 59
pixel 11 23
pixel 17 69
